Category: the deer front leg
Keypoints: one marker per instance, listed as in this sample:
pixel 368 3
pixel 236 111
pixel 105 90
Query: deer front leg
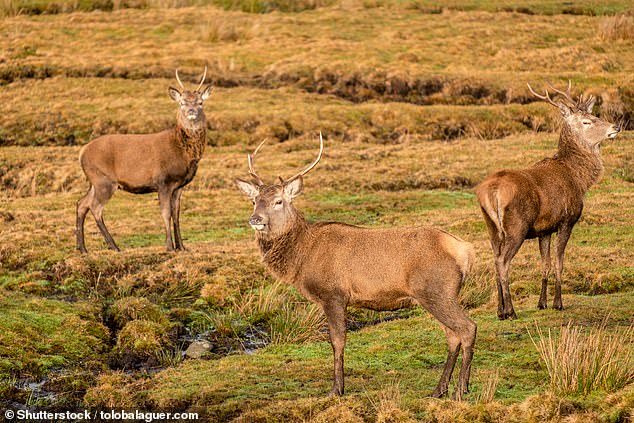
pixel 544 250
pixel 336 316
pixel 165 197
pixel 563 235
pixel 176 210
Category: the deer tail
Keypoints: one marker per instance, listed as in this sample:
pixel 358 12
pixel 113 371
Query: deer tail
pixel 490 203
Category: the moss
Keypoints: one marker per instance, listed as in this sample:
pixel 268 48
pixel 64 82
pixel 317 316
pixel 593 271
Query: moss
pixel 127 309
pixel 39 335
pixel 140 342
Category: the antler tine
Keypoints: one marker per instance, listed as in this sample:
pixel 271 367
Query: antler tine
pixel 542 97
pixel 566 94
pixel 202 79
pixel 179 80
pixel 313 164
pixel 251 160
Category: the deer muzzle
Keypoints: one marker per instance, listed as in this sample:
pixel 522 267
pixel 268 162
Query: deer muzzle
pixel 192 114
pixel 614 130
pixel 257 222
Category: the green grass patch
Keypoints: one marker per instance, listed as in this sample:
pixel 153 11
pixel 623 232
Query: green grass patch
pixel 40 335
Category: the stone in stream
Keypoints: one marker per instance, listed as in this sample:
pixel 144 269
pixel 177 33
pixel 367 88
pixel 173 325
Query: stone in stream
pixel 198 348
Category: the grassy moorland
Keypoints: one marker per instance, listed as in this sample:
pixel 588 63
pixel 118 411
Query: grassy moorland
pixel 418 101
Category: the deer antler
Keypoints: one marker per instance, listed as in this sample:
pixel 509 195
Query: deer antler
pixel 202 79
pixel 308 169
pixel 580 104
pixel 566 95
pixel 542 97
pixel 251 159
pixel 179 80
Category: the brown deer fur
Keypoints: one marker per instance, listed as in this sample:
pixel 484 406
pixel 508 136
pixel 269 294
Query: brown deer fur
pixel 336 265
pixel 546 198
pixel 163 162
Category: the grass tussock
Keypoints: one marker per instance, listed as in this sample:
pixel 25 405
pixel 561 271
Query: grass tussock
pixel 582 361
pixel 389 405
pixel 618 27
pixel 286 320
pixel 477 289
pixel 489 387
pixel 221 29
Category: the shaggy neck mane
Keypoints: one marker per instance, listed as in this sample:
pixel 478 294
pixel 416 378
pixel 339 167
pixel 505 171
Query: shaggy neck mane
pixel 191 138
pixel 586 166
pixel 283 253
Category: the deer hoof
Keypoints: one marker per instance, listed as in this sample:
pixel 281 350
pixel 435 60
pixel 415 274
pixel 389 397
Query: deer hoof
pixel 558 307
pixel 542 306
pixel 437 393
pixel 507 315
pixel 458 395
pixel 334 392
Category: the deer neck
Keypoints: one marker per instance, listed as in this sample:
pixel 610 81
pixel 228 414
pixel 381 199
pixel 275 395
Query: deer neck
pixel 191 137
pixel 586 166
pixel 283 254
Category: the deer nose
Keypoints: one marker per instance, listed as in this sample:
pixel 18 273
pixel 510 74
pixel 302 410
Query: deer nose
pixel 255 220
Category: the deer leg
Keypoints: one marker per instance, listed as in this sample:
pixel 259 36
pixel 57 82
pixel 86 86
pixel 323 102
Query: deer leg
pixel 499 268
pixel 176 210
pixel 83 206
pixel 336 316
pixel 497 239
pixel 544 250
pixel 102 194
pixel 509 248
pixel 165 203
pixel 563 235
pixel 461 332
pixel 453 346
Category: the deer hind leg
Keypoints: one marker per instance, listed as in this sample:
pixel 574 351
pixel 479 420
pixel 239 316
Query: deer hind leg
pixel 102 193
pixel 461 333
pixel 165 203
pixel 176 210
pixel 544 250
pixel 83 206
pixel 508 248
pixel 563 235
pixel 497 239
pixel 453 346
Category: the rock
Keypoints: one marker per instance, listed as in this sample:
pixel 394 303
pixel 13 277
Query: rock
pixel 197 349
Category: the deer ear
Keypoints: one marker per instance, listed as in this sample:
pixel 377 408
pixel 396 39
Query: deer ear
pixel 206 92
pixel 248 188
pixel 565 110
pixel 174 94
pixel 294 187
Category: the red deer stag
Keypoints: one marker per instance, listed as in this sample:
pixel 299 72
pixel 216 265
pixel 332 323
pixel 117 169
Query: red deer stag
pixel 336 265
pixel 163 162
pixel 546 198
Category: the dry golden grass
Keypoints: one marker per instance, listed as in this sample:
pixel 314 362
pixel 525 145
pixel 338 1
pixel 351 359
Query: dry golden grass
pixel 585 361
pixel 418 101
pixel 619 27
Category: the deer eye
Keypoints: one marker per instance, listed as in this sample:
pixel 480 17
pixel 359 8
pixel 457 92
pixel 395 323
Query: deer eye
pixel 278 202
pixel 587 122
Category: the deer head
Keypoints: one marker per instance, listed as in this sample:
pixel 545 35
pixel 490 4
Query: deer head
pixel 587 129
pixel 273 210
pixel 190 103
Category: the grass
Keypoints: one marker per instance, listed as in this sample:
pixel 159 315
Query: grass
pixel 418 101
pixel 586 361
